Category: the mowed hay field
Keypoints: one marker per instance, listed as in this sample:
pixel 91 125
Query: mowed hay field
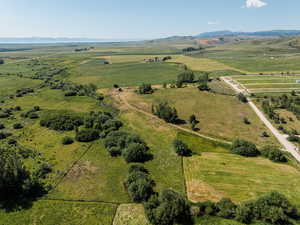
pixel 61 213
pixel 270 83
pixel 124 74
pixel 200 64
pixel 219 115
pixel 262 64
pixel 213 176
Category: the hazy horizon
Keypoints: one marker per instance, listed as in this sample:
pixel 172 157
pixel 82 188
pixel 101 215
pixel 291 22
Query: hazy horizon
pixel 139 20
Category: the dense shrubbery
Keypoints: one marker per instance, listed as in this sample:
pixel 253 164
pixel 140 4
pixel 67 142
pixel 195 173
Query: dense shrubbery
pixel 23 91
pixel 138 184
pixel 2 126
pixel 4 135
pixel 166 112
pixel 130 146
pixel 67 141
pixel 1 61
pixel 272 208
pixel 244 148
pixel 181 148
pixel 167 208
pixel 87 135
pixel 17 183
pixel 61 121
pixel 274 154
pixel 186 77
pixel 145 89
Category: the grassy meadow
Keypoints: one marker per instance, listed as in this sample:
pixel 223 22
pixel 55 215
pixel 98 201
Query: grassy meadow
pixel 219 115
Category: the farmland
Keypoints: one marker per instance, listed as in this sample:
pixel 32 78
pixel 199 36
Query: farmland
pixel 86 184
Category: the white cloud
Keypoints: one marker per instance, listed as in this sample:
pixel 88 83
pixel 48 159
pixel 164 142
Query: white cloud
pixel 255 4
pixel 213 22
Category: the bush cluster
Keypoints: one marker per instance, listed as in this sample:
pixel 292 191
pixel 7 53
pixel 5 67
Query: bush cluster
pixel 181 148
pixel 145 89
pixel 130 146
pixel 169 207
pixel 272 208
pixel 61 121
pixel 67 140
pixel 138 184
pixel 274 154
pixel 165 112
pixel 32 113
pixel 244 148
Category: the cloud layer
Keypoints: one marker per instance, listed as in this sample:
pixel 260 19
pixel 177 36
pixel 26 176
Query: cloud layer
pixel 255 4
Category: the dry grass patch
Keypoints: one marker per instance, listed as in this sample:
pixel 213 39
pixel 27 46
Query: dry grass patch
pixel 200 64
pixel 130 214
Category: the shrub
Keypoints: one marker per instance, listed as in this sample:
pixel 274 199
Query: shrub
pixel 208 208
pixel 166 112
pixel 203 87
pixel 293 138
pixel 2 126
pixel 135 152
pixel 186 77
pixel 17 126
pixel 33 116
pixel 271 208
pixel 87 135
pixel 4 115
pixel 138 184
pixel 226 208
pixel 70 93
pixel 61 121
pixel 145 89
pixel 4 135
pixel 241 97
pixel 246 121
pixel 274 154
pixel 12 141
pixel 181 148
pixel 169 207
pixel 114 151
pixel 67 141
pixel 244 148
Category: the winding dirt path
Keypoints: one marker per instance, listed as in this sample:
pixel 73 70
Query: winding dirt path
pixel 121 97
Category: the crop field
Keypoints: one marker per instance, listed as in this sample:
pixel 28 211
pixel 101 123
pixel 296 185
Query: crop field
pixel 61 213
pixel 270 83
pixel 200 64
pixel 219 115
pixel 124 74
pixel 212 176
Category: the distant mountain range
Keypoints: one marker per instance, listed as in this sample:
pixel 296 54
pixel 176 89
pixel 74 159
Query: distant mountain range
pixel 215 34
pixel 270 33
pixel 40 40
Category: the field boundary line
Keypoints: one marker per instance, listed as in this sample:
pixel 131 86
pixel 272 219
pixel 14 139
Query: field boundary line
pixel 84 201
pixel 128 105
pixel 61 178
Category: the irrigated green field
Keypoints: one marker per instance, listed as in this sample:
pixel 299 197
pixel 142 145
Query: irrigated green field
pixel 124 74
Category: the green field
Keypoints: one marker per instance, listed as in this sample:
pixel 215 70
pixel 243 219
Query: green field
pixel 124 74
pixel 10 84
pixel 219 115
pixel 88 184
pixel 216 175
pixel 61 213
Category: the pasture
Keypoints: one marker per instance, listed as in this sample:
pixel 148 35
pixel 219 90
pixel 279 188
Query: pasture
pixel 124 74
pixel 219 115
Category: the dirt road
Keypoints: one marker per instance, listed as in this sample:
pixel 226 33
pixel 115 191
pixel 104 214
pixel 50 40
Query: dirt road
pixel 123 100
pixel 288 146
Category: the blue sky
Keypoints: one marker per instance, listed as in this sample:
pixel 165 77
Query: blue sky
pixel 138 19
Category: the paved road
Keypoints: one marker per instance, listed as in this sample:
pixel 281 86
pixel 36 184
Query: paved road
pixel 122 98
pixel 288 146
